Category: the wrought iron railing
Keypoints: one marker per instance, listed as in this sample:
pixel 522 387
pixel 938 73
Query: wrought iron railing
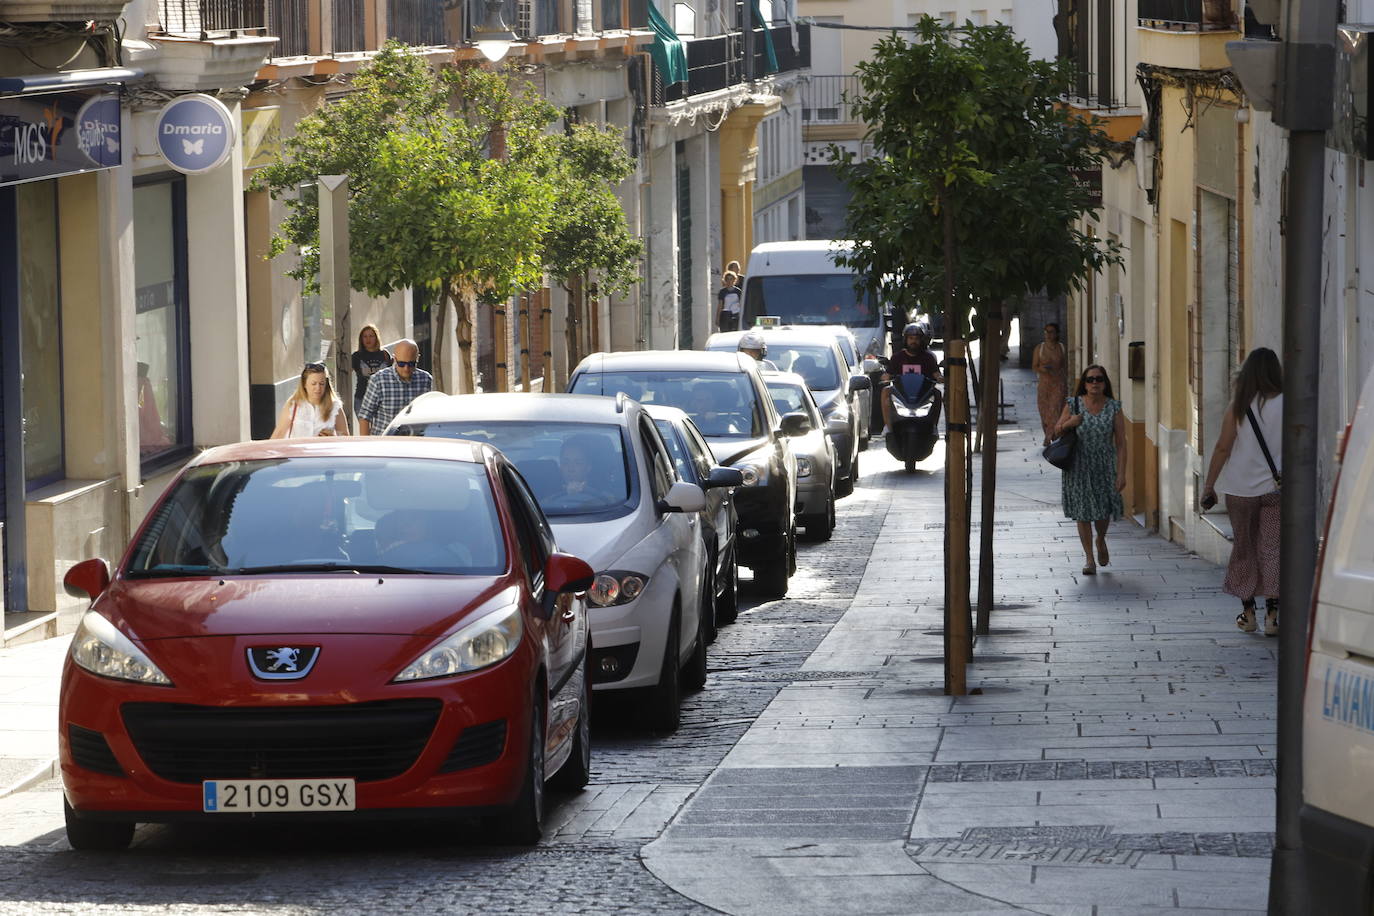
pixel 717 62
pixel 1187 15
pixel 196 16
pixel 828 99
pixel 793 58
pixel 416 22
pixel 1086 39
pixel 350 25
pixel 289 20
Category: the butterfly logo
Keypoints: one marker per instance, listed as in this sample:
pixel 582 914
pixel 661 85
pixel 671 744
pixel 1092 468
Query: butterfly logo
pixel 112 144
pixel 193 147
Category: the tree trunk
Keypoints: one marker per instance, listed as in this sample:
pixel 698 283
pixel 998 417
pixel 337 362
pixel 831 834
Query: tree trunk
pixel 957 646
pixel 438 337
pixel 987 432
pixel 464 326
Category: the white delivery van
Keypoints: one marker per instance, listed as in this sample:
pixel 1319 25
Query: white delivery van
pixel 1337 819
pixel 799 283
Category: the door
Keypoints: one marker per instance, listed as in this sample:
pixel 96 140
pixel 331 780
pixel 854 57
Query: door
pixel 682 531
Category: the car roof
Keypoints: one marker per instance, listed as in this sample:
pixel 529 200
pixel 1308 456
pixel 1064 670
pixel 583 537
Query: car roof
pixel 791 378
pixel 664 412
pixel 819 336
pixel 344 447
pixel 646 360
pixel 436 407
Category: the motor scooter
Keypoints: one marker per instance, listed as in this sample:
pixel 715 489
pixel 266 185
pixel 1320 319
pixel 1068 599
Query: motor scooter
pixel 915 424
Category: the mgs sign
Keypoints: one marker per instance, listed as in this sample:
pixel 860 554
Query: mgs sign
pixel 195 133
pixel 61 133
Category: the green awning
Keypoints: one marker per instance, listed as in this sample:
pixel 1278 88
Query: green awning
pixel 769 54
pixel 667 50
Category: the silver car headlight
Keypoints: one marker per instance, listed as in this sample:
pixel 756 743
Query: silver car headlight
pixel 754 474
pixel 616 586
pixel 480 644
pixel 101 649
pixel 803 466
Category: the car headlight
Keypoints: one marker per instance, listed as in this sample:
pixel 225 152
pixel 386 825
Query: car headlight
pixel 803 466
pixel 616 587
pixel 754 474
pixel 101 649
pixel 482 643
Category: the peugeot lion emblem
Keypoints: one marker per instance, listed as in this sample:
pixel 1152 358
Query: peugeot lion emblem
pixel 282 663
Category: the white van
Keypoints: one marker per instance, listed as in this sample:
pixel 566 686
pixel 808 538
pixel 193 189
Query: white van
pixel 1337 819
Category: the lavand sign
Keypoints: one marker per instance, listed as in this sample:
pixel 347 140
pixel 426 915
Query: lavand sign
pixel 195 133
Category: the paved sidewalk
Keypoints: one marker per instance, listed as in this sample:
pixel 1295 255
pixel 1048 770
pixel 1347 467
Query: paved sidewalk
pixel 29 680
pixel 1119 758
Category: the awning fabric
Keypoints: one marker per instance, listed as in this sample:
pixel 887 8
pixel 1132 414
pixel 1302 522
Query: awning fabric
pixel 668 52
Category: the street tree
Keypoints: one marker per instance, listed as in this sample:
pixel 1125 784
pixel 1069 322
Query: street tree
pixel 970 200
pixel 455 186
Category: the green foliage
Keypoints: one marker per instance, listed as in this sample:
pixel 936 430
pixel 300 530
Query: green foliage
pixel 454 179
pixel 973 160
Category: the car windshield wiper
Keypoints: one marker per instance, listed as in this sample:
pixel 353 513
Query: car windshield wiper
pixel 323 567
pixel 173 570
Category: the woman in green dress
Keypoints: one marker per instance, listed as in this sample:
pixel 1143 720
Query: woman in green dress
pixel 1093 484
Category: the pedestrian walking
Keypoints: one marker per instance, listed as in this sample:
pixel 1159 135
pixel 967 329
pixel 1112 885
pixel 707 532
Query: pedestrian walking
pixel 312 410
pixel 391 389
pixel 1093 483
pixel 369 359
pixel 1051 384
pixel 728 298
pixel 1247 468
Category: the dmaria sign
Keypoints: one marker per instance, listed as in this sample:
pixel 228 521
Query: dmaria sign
pixel 195 133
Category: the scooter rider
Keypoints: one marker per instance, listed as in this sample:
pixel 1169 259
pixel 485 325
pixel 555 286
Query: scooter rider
pixel 914 357
pixel 752 342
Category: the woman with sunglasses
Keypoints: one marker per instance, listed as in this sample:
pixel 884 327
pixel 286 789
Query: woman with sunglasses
pixel 1093 484
pixel 312 410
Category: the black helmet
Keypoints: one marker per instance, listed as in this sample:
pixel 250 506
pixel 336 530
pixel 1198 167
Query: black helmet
pixel 917 327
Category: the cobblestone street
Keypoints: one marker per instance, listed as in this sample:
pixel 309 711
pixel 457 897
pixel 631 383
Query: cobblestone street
pixel 1117 758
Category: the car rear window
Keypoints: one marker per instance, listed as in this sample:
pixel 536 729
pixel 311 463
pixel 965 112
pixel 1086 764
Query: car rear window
pixel 721 404
pixel 324 514
pixel 574 469
pixel 818 365
pixel 788 398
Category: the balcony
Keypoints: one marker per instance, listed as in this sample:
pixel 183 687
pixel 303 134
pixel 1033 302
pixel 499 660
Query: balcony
pixel 718 62
pixel 61 10
pixel 1088 37
pixel 1186 15
pixel 827 100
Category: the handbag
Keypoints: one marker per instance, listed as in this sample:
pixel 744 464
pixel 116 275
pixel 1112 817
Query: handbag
pixel 1264 447
pixel 1060 452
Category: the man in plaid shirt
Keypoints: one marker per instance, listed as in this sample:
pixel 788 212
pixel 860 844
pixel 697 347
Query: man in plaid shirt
pixel 389 390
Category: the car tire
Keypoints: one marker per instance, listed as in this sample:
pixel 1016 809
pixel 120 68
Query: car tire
pixel 910 464
pixel 523 823
pixel 708 598
pixel 820 525
pixel 87 835
pixel 663 712
pixel 845 485
pixel 694 675
pixel 727 605
pixel 772 579
pixel 576 771
pixel 792 550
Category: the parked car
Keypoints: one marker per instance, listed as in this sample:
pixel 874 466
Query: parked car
pixel 725 396
pixel 815 355
pixel 694 463
pixel 859 366
pixel 603 475
pixel 1337 814
pixel 311 627
pixel 815 452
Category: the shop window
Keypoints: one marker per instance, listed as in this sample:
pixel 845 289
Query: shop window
pixel 162 322
pixel 40 319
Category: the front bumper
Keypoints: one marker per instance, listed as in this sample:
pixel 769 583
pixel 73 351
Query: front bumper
pixel 140 752
pixel 813 495
pixel 633 635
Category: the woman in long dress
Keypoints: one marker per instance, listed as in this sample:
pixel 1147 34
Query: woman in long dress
pixel 1093 483
pixel 312 410
pixel 1051 387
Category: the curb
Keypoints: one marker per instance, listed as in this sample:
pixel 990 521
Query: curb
pixel 42 773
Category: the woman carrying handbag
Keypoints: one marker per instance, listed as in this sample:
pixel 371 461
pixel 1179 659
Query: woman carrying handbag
pixel 1093 483
pixel 1247 468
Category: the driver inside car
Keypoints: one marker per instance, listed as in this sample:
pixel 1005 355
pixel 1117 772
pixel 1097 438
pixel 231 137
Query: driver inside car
pixel 577 463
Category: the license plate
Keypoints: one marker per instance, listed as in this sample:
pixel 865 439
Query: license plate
pixel 220 796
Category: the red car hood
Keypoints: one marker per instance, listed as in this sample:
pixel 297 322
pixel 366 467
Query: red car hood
pixel 296 604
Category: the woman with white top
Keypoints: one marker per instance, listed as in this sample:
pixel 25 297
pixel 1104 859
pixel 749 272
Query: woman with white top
pixel 1241 472
pixel 312 410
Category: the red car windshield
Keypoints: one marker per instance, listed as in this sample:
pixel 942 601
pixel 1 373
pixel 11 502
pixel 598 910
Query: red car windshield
pixel 399 515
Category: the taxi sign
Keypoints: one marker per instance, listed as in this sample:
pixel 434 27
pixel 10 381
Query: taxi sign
pixel 767 321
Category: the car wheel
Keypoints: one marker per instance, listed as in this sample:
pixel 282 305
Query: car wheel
pixel 727 604
pixel 576 771
pixel 664 711
pixel 708 600
pixel 523 823
pixel 910 464
pixel 845 485
pixel 694 675
pixel 772 579
pixel 792 550
pixel 820 525
pixel 96 836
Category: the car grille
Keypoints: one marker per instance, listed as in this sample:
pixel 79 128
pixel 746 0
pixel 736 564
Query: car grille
pixel 365 741
pixel 478 744
pixel 91 751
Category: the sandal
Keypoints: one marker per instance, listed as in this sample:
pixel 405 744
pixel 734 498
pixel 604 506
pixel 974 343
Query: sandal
pixel 1090 570
pixel 1271 618
pixel 1245 620
pixel 1103 557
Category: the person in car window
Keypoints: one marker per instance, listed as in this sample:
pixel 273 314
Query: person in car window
pixel 752 342
pixel 577 461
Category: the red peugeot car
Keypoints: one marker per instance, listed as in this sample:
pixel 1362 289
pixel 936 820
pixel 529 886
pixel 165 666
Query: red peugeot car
pixel 329 628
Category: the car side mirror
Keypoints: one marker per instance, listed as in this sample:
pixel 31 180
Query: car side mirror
pixel 796 423
pixel 871 365
pixel 860 383
pixel 564 572
pixel 724 477
pixel 87 579
pixel 683 497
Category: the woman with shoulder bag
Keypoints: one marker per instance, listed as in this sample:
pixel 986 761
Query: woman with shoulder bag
pixel 312 410
pixel 1093 483
pixel 1247 468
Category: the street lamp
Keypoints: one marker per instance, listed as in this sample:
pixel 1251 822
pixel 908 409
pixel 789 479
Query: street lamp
pixel 493 37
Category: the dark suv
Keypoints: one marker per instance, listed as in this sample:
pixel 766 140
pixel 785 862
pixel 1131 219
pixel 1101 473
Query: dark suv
pixel 726 398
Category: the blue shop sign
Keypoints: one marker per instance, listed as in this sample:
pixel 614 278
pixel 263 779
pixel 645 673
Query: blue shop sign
pixel 60 133
pixel 195 133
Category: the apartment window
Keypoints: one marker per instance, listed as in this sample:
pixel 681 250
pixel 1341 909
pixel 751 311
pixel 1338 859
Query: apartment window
pixel 40 320
pixel 162 321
